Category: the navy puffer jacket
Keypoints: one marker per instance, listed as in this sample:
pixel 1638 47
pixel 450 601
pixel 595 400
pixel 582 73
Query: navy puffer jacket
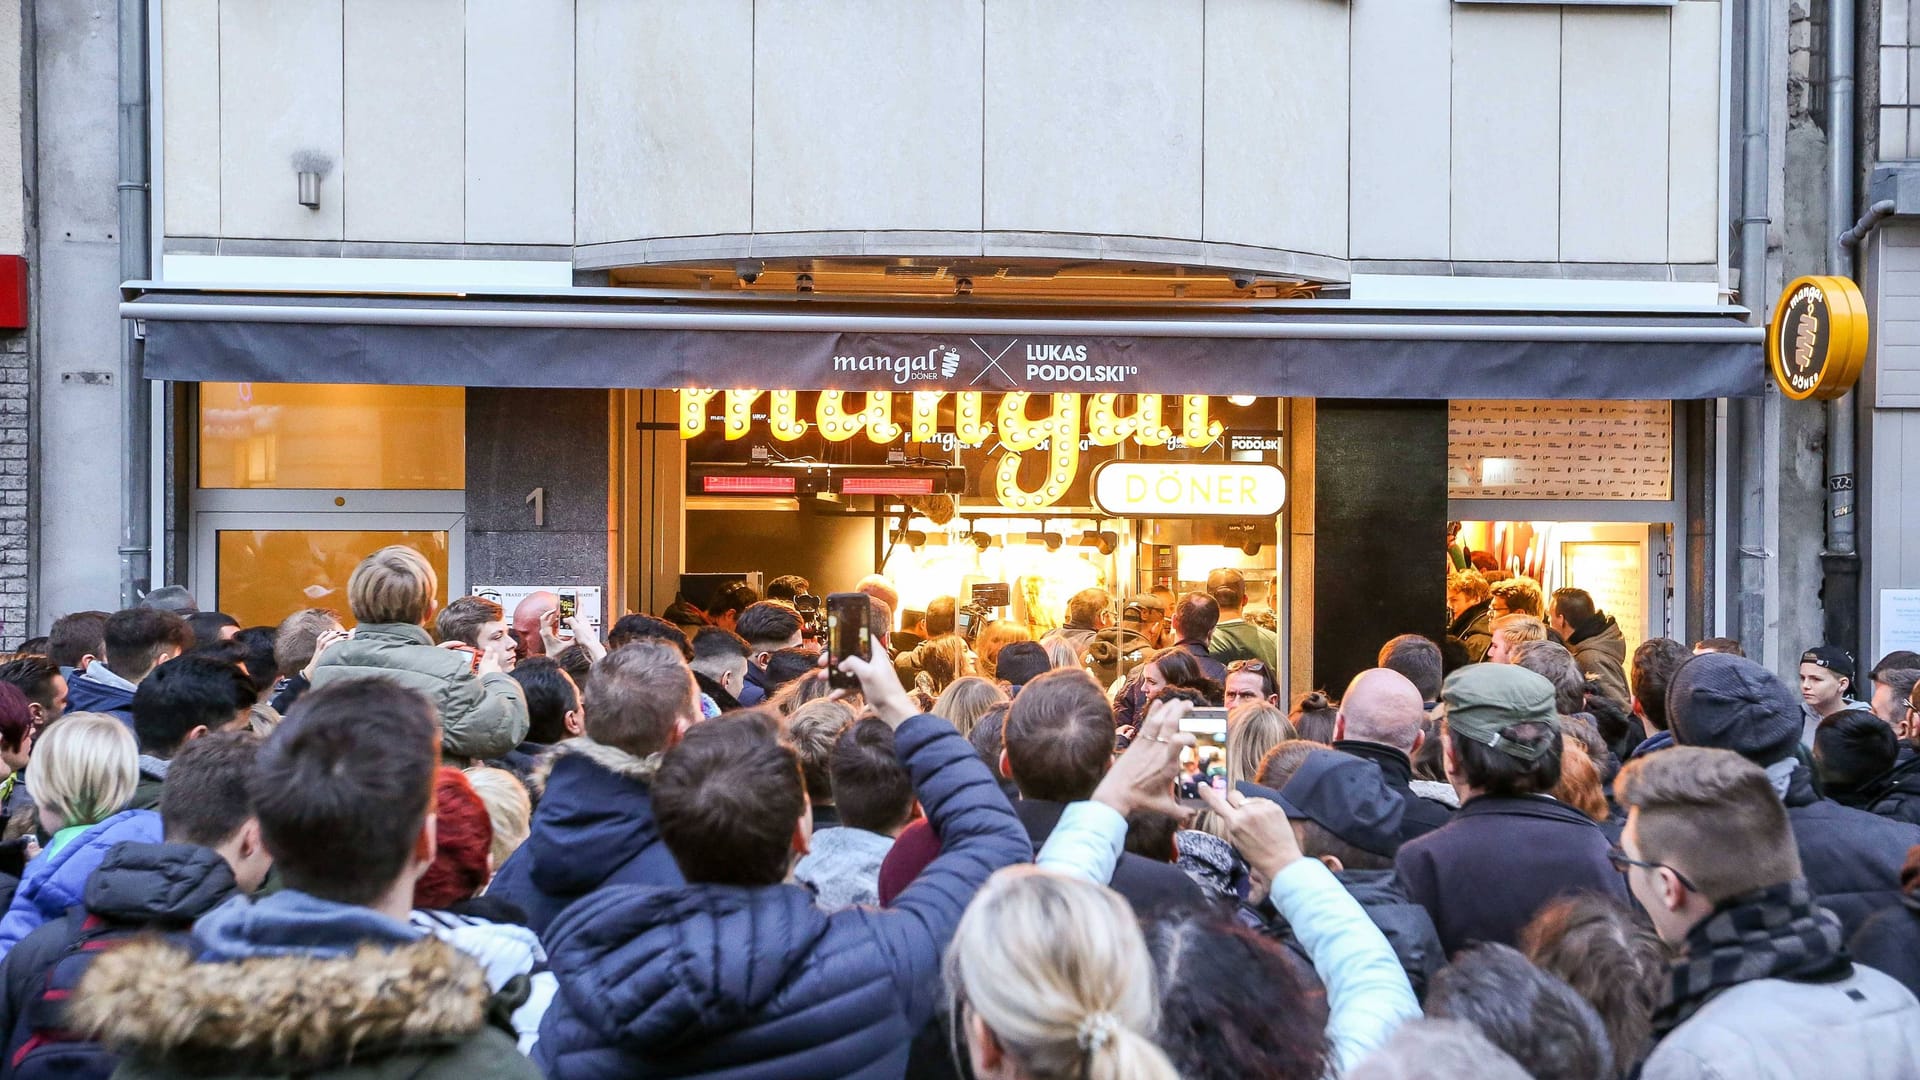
pixel 593 828
pixel 751 983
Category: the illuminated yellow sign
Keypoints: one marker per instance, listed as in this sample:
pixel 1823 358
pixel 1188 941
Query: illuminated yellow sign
pixel 1058 430
pixel 1188 489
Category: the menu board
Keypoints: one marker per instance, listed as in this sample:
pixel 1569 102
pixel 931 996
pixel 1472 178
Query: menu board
pixel 1560 450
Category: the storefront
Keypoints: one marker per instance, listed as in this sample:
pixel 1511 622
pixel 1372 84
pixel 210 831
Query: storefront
pixel 618 443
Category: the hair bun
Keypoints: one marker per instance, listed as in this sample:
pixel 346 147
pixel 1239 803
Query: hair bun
pixel 1318 699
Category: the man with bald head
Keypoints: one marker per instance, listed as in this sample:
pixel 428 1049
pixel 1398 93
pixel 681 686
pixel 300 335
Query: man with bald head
pixel 1380 718
pixel 527 617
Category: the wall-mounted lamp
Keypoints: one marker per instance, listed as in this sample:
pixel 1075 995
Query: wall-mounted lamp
pixel 310 189
pixel 1104 542
pixel 1052 540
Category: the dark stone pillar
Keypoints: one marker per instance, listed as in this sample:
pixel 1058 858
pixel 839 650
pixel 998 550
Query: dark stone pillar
pixel 1380 531
pixel 519 439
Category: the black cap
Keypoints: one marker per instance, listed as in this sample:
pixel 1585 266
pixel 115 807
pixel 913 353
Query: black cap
pixel 1344 795
pixel 1833 658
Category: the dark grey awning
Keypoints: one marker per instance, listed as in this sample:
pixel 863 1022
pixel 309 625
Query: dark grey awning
pixel 1323 352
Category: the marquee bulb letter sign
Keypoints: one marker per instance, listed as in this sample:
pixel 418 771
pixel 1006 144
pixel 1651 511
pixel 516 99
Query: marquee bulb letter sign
pixel 1059 429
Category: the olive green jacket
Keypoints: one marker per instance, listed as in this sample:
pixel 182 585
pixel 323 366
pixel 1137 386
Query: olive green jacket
pixel 481 716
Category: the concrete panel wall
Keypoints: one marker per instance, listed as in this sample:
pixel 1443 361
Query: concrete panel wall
pixel 1276 124
pixel 1613 135
pixel 1093 116
pixel 665 123
pixel 76 265
pixel 867 115
pixel 406 120
pixel 281 111
pixel 520 141
pixel 1895 302
pixel 1392 130
pixel 1402 105
pixel 1506 134
pixel 190 132
pixel 13 220
pixel 1693 154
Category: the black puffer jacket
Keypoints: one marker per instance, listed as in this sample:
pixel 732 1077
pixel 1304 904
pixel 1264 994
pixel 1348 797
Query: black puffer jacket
pixel 1851 858
pixel 138 888
pixel 1897 795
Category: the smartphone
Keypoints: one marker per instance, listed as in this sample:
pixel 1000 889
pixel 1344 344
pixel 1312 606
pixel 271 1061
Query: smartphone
pixel 1208 727
pixel 569 606
pixel 847 635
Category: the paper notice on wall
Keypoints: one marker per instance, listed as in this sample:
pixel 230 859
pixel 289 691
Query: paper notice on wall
pixel 1560 450
pixel 1899 621
pixel 585 598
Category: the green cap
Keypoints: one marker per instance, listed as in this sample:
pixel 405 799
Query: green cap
pixel 1484 700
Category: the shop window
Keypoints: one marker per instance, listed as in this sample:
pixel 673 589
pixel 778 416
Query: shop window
pixel 1607 450
pixel 267 574
pixel 348 437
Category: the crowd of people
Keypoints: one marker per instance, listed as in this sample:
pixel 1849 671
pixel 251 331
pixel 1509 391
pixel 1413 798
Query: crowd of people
pixel 470 843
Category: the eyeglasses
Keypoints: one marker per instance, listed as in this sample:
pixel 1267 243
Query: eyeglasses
pixel 1256 666
pixel 1621 860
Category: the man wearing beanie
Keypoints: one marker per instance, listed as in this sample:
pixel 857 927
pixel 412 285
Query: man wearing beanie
pixel 1851 858
pixel 1511 847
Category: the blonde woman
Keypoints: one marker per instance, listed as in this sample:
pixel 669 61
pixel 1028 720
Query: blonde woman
pixel 82 775
pixel 1051 980
pixel 965 700
pixel 992 639
pixel 393 592
pixel 1253 730
pixel 509 809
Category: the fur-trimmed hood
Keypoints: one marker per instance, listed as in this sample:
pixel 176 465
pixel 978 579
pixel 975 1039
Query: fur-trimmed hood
pixel 626 766
pixel 287 1013
pixel 596 813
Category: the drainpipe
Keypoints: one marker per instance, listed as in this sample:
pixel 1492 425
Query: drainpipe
pixel 1840 562
pixel 136 402
pixel 1758 567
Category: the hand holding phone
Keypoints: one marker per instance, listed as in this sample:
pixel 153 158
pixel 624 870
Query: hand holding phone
pixel 848 635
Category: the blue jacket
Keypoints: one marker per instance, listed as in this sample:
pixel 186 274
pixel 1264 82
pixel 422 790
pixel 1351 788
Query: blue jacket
pixel 91 695
pixel 53 883
pixel 750 983
pixel 593 828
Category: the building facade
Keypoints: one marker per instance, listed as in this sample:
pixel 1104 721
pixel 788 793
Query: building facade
pixel 439 271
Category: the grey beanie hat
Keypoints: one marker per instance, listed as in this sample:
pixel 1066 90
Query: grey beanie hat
pixel 1729 702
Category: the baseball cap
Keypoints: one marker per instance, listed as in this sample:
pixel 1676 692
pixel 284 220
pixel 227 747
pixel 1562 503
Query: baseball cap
pixel 1227 582
pixel 1143 607
pixel 1344 795
pixel 1833 658
pixel 1484 700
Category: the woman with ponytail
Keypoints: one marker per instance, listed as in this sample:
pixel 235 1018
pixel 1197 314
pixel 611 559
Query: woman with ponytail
pixel 1051 980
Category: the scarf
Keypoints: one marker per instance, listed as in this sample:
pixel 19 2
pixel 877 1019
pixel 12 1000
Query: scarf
pixel 1771 933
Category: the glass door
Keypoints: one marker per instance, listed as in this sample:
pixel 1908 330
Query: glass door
pixel 262 567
